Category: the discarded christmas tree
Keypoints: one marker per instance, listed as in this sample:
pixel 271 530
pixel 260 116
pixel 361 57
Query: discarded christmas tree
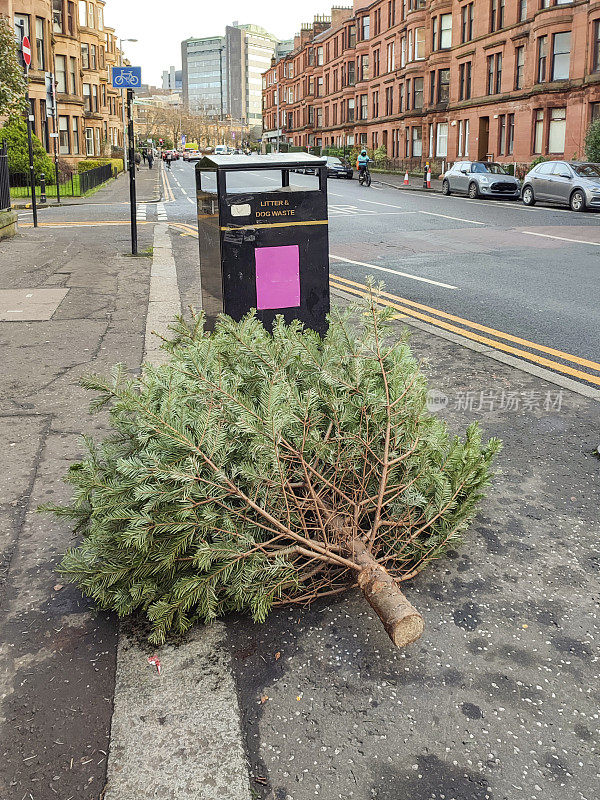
pixel 255 469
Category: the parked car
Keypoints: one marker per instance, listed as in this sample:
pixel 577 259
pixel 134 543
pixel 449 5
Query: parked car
pixel 174 155
pixel 572 183
pixel 336 168
pixel 480 178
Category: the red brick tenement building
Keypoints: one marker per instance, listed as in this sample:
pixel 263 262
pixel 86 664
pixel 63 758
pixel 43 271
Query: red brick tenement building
pixel 442 79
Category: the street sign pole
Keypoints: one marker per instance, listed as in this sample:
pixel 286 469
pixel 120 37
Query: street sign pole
pixel 26 55
pixel 132 189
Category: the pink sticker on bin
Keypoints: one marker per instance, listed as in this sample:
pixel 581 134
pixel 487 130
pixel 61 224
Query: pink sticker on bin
pixel 277 277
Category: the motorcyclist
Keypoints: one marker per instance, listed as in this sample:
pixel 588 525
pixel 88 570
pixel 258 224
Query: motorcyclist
pixel 362 162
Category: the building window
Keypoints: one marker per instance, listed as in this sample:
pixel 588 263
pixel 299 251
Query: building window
pixel 376 63
pixel 417 142
pixel 93 62
pixel 94 98
pixel 522 10
pixel 71 18
pixel 61 74
pixel 319 56
pixel 63 136
pixel 364 68
pixel 73 74
pixel 89 141
pixel 375 105
pixel 389 101
pixel 510 141
pixel 351 108
pixel 519 66
pixel 83 13
pixel 90 15
pixel 556 130
pixel 40 43
pixel 419 44
pixel 445 31
pixel 22 25
pixel 464 81
pixel 85 55
pixel 596 50
pixel 75 137
pixel 561 56
pixel 538 131
pixel 502 134
pixel 463 138
pixel 417 102
pixel 494 74
pixel 366 28
pixel 594 111
pixel 403 51
pixel 391 57
pixel 391 13
pixel 542 58
pixel 352 36
pixel 87 100
pixel 100 17
pixel 442 139
pixel 57 16
pixel 466 23
pixel 443 86
pixel 364 106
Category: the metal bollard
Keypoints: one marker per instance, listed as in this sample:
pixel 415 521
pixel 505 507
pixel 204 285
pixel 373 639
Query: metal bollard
pixel 42 188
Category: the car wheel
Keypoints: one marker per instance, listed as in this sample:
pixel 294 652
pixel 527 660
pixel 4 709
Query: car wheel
pixel 528 196
pixel 577 201
pixel 473 190
pixel 445 188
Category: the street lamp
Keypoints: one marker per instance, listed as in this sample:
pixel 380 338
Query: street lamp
pixel 125 163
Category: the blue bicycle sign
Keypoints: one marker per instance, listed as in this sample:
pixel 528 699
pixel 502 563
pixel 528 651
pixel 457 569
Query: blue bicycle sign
pixel 127 77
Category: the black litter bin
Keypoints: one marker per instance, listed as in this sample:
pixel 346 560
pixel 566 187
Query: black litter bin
pixel 264 243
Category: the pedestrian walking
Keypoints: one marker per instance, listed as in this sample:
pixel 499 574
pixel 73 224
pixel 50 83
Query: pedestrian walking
pixel 144 156
pixel 168 159
pixel 150 158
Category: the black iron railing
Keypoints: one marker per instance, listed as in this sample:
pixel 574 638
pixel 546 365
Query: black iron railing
pixel 95 177
pixel 4 179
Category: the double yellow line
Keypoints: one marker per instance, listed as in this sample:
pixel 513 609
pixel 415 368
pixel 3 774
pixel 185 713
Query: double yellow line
pixel 463 327
pixel 169 195
pixel 466 328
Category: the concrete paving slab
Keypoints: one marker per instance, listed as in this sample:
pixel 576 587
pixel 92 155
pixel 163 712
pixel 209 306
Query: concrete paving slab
pixel 27 305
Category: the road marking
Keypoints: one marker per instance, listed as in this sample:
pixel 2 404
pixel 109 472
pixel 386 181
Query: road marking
pixel 456 219
pixel 370 213
pixel 561 238
pixel 97 224
pixel 374 202
pixel 162 212
pixel 408 307
pixel 189 199
pixel 142 210
pixel 393 272
pixel 349 210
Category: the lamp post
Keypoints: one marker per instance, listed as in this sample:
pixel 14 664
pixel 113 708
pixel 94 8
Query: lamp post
pixel 125 163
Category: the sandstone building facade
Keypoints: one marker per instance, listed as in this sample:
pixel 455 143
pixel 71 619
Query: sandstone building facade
pixel 71 40
pixel 442 79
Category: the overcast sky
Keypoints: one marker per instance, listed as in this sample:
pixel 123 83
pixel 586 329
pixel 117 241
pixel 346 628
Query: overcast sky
pixel 161 25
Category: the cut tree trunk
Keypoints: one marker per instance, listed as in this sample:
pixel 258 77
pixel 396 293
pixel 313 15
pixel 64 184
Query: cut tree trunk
pixel 401 620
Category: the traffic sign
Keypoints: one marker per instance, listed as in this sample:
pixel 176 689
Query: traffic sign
pixel 26 50
pixel 127 77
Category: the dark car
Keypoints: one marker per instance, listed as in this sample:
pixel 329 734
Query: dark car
pixel 480 178
pixel 336 168
pixel 571 183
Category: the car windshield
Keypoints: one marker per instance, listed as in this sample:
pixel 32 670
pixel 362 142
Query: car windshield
pixel 495 169
pixel 333 160
pixel 587 170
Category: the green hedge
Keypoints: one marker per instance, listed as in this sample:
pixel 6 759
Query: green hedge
pixel 86 166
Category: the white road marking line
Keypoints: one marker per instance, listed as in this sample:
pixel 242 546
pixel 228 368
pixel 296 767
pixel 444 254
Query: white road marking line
pixel 394 272
pixel 374 202
pixel 561 238
pixel 189 199
pixel 370 213
pixel 456 219
pixel 162 212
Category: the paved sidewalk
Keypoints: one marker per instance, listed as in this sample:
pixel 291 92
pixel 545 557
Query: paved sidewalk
pixel 57 657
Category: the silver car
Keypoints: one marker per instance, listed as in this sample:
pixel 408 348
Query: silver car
pixel 479 179
pixel 571 183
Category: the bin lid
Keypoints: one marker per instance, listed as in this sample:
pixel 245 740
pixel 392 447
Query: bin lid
pixel 258 162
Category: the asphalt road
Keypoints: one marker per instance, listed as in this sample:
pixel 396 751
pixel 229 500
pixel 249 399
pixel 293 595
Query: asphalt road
pixel 492 270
